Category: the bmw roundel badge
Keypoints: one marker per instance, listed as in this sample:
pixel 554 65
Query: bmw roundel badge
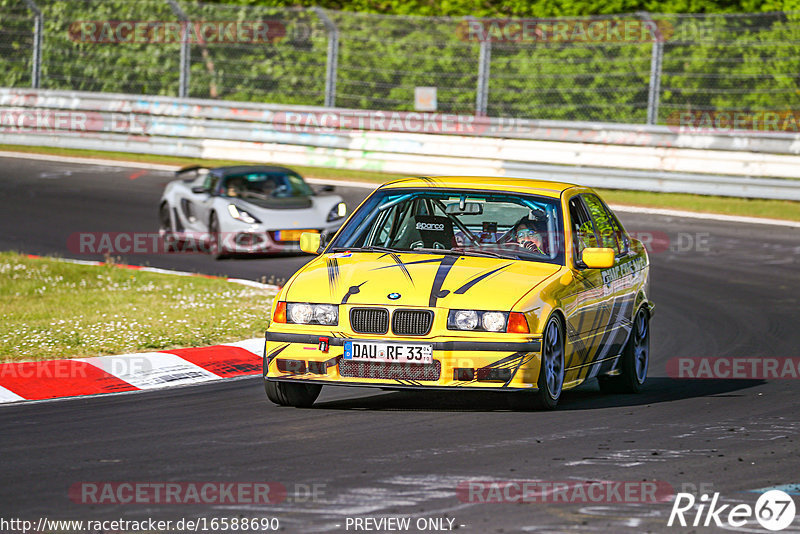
pixel 394 296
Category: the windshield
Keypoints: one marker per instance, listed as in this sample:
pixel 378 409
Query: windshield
pixel 525 227
pixel 264 188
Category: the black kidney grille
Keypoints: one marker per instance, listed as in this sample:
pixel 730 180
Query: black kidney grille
pixel 369 320
pixel 390 371
pixel 412 322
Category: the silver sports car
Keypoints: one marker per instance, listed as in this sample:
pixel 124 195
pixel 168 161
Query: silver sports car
pixel 246 209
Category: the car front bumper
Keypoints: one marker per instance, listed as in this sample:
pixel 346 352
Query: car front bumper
pixel 510 363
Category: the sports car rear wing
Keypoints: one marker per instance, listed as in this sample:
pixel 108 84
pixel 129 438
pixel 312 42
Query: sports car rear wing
pixel 191 168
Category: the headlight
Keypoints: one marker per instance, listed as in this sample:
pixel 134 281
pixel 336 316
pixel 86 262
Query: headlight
pixel 493 321
pixel 241 215
pixel 488 321
pixel 303 313
pixel 326 314
pixel 465 319
pixel 337 212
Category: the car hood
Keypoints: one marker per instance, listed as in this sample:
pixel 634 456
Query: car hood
pixel 290 214
pixel 419 279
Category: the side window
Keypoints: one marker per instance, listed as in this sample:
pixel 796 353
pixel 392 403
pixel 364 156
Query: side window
pixel 582 230
pixel 210 182
pixel 607 229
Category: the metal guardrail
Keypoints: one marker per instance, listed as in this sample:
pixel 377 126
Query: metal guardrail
pixel 649 158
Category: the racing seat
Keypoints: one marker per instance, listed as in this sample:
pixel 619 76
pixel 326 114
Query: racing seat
pixel 435 231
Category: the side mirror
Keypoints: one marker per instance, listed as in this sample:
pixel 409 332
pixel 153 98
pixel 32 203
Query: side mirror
pixel 199 189
pixel 310 242
pixel 327 189
pixel 598 258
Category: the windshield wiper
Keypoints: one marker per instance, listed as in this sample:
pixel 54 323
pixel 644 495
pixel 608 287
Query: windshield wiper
pixel 465 252
pixel 371 248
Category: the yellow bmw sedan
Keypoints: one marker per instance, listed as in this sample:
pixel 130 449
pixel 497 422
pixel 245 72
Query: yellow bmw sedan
pixel 512 285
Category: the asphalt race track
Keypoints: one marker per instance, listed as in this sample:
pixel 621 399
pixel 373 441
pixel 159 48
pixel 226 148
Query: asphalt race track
pixel 722 289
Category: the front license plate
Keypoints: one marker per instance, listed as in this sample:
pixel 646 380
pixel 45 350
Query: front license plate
pixel 387 352
pixel 291 235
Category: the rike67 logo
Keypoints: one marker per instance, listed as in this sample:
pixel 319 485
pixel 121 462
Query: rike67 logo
pixel 774 510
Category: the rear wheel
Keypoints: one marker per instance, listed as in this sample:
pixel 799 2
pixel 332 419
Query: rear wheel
pixel 634 361
pixel 287 394
pixel 551 373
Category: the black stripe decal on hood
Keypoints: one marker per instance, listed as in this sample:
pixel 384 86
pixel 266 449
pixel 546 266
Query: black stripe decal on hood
pixel 399 263
pixel 446 264
pixel 333 272
pixel 434 260
pixel 354 290
pixel 466 287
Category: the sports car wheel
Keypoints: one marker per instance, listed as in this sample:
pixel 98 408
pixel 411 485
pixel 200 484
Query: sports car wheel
pixel 168 237
pixel 551 373
pixel 297 395
pixel 634 361
pixel 164 221
pixel 214 239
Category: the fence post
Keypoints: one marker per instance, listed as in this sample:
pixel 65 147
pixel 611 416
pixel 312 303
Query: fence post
pixel 484 67
pixel 38 28
pixel 332 64
pixel 656 58
pixel 185 60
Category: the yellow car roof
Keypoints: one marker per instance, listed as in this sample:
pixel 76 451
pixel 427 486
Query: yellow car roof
pixel 518 185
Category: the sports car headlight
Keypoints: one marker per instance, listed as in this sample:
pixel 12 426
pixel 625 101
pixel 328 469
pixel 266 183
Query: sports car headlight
pixel 493 321
pixel 337 212
pixel 304 313
pixel 487 321
pixel 464 319
pixel 241 215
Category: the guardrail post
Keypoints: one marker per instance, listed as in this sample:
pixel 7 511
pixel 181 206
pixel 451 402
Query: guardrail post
pixel 656 59
pixel 183 80
pixel 38 28
pixel 332 64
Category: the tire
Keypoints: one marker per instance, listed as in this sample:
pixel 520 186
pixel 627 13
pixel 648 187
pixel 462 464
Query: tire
pixel 551 373
pixel 165 227
pixel 634 361
pixel 164 219
pixel 214 245
pixel 286 394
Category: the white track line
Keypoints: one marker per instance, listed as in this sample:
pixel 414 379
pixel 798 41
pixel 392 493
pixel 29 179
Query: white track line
pixel 367 185
pixel 708 216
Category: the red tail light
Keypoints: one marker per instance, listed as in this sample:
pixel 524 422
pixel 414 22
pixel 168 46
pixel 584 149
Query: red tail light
pixel 279 313
pixel 517 324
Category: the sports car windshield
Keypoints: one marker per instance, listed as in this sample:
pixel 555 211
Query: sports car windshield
pixel 524 227
pixel 265 188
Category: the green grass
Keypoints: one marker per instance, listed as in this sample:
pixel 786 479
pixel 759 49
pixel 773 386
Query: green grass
pixel 774 209
pixel 52 309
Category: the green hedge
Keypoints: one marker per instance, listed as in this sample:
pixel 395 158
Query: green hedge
pixel 744 61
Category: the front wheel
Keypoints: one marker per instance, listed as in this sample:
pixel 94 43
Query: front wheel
pixel 634 361
pixel 551 372
pixel 286 394
pixel 215 246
